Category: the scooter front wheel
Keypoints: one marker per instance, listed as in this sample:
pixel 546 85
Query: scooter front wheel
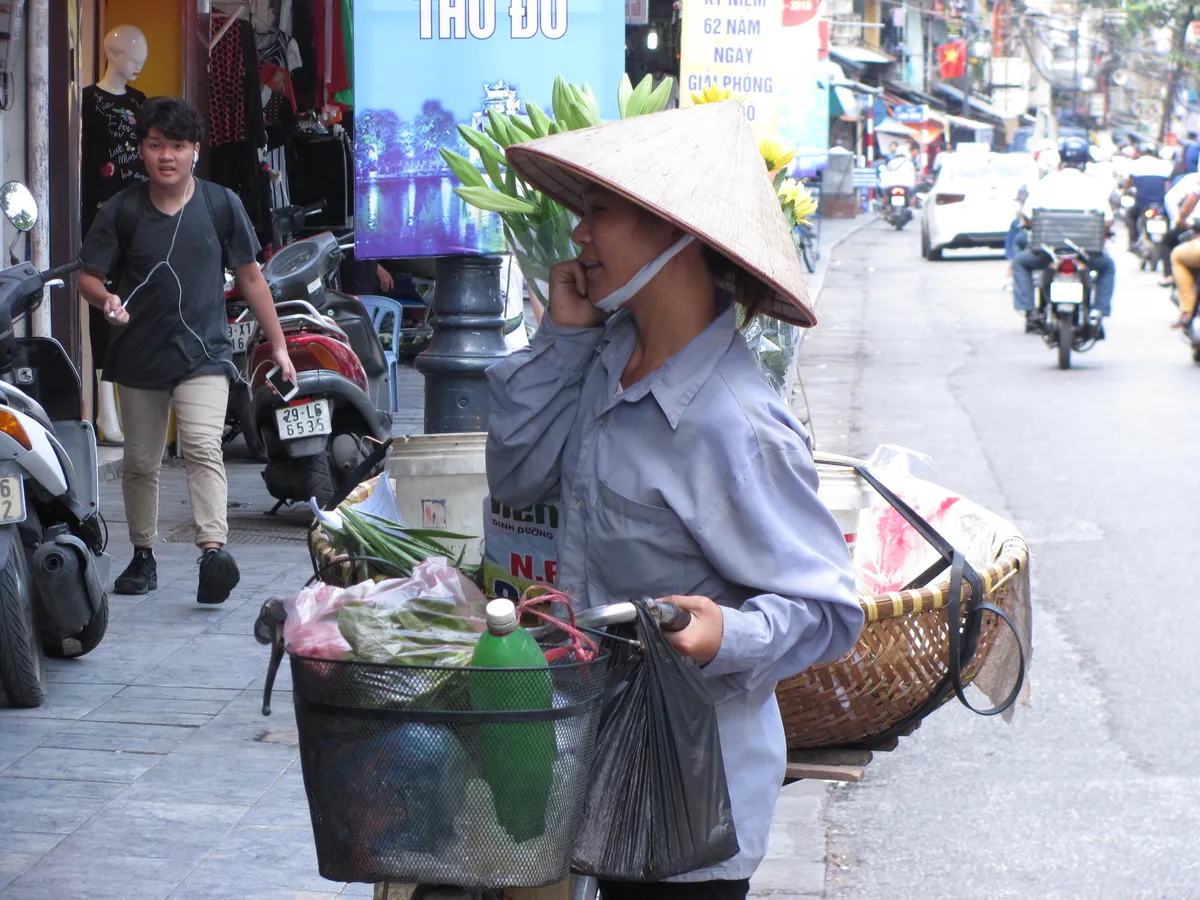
pixel 22 675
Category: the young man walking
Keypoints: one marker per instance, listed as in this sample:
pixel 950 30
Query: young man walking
pixel 165 246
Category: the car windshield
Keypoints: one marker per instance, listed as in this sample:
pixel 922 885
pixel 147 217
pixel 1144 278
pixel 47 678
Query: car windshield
pixel 977 168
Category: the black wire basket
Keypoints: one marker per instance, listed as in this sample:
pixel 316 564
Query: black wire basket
pixel 446 775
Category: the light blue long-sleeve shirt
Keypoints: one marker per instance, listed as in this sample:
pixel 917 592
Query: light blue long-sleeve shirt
pixel 695 480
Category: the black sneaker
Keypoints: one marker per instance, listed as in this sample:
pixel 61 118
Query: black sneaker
pixel 1033 322
pixel 218 576
pixel 140 576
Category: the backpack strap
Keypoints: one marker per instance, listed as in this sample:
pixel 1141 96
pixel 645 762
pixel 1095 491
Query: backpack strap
pixel 127 226
pixel 220 210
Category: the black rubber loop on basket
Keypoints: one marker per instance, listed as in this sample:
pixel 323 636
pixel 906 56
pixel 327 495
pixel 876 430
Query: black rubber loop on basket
pixel 458 717
pixel 360 473
pixel 963 640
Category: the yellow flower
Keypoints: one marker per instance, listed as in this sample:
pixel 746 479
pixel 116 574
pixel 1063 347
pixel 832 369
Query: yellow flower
pixel 790 190
pixel 794 192
pixel 776 153
pixel 713 94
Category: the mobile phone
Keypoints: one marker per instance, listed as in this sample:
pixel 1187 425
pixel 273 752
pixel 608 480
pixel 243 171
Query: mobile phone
pixel 286 389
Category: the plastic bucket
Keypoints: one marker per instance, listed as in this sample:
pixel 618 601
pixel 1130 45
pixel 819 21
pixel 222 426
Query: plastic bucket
pixel 847 495
pixel 441 480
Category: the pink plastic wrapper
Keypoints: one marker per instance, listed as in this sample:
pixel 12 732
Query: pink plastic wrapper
pixel 436 603
pixel 890 553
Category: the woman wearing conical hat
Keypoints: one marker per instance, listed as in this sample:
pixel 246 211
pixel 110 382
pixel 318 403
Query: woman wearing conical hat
pixel 682 473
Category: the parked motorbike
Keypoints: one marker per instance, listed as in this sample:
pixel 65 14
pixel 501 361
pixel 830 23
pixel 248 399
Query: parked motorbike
pixel 319 439
pixel 1065 287
pixel 53 567
pixel 897 211
pixel 239 406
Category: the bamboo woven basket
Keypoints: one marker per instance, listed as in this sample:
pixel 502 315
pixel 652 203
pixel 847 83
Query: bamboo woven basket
pixel 898 664
pixel 322 553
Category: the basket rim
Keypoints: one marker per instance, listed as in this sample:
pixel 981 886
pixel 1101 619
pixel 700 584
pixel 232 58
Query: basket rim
pixel 1010 559
pixel 601 656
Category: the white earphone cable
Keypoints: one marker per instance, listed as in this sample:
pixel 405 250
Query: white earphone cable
pixel 167 262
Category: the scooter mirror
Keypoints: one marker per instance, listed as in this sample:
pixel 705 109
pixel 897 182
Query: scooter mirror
pixel 18 205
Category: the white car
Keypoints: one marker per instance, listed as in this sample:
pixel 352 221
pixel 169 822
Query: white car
pixel 973 200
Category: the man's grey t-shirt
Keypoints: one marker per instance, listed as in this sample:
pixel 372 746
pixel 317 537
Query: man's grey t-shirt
pixel 156 350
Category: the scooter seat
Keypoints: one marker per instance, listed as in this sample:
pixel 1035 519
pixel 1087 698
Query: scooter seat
pixel 352 318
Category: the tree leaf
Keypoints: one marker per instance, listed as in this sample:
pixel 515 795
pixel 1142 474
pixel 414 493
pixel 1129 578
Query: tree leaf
pixel 660 97
pixel 463 168
pixel 624 92
pixel 494 201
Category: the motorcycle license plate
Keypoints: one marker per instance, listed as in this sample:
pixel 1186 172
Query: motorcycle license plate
pixel 305 420
pixel 1066 292
pixel 897 201
pixel 1156 226
pixel 12 499
pixel 240 334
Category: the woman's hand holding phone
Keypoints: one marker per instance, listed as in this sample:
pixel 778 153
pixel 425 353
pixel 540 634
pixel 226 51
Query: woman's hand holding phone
pixel 569 303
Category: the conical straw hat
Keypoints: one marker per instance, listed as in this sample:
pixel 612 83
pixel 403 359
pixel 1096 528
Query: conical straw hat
pixel 698 168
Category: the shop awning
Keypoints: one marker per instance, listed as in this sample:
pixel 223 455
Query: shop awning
pixel 980 106
pixel 911 94
pixel 970 123
pixel 842 103
pixel 891 126
pixel 858 57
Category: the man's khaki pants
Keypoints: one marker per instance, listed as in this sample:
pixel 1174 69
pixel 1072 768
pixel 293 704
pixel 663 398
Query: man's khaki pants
pixel 200 419
pixel 1185 260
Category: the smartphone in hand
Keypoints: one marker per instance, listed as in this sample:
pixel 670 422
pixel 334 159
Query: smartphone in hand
pixel 286 389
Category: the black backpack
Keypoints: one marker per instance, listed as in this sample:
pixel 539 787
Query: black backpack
pixel 220 212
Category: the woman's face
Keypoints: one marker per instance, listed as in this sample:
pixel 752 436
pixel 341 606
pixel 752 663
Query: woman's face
pixel 616 240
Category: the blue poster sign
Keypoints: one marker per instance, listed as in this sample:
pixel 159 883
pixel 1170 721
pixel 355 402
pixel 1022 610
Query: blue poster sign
pixel 913 115
pixel 424 67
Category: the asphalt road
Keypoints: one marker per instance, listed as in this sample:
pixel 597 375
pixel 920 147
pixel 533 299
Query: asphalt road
pixel 1094 790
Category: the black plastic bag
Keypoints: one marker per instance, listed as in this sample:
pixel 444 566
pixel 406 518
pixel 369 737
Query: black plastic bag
pixel 658 802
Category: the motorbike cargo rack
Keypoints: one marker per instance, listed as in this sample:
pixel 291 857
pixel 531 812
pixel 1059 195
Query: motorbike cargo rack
pixel 1060 228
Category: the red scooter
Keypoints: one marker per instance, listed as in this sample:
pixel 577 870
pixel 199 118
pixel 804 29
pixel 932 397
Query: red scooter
pixel 327 435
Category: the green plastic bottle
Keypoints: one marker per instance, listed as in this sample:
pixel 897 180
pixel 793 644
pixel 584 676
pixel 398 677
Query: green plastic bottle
pixel 518 757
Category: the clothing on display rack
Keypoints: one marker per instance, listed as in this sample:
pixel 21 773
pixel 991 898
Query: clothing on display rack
pixel 237 133
pixel 110 159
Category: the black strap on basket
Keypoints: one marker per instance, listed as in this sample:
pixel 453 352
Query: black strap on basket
pixel 962 640
pixel 268 629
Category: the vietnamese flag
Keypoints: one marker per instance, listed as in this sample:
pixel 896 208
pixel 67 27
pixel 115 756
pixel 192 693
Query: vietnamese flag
pixel 952 60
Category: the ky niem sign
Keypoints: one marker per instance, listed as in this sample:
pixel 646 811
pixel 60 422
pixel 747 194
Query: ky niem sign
pixel 735 45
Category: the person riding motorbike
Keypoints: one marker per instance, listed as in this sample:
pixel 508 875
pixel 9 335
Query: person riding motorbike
pixel 1070 188
pixel 1185 258
pixel 1180 204
pixel 1149 176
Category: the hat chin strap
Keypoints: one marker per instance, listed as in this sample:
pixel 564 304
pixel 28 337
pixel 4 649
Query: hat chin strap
pixel 624 294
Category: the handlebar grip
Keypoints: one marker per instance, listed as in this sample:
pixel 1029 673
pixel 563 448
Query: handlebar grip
pixel 672 617
pixel 61 271
pixel 315 208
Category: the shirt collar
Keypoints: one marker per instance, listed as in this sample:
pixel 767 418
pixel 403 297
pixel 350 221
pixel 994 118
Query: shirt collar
pixel 680 378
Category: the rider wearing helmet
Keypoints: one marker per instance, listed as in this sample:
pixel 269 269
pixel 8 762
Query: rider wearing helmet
pixel 1070 188
pixel 1149 176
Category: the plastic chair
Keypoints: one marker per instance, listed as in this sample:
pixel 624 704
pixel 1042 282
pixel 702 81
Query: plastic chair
pixel 378 309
